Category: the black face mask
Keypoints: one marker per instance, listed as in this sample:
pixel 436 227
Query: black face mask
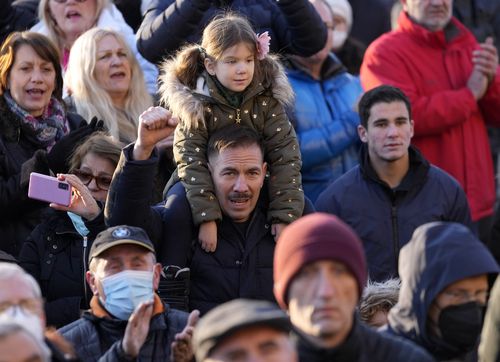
pixel 460 325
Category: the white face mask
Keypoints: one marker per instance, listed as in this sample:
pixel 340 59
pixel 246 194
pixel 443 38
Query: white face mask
pixel 25 318
pixel 339 38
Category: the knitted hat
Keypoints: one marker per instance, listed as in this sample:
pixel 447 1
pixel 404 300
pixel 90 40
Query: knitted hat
pixel 343 9
pixel 314 237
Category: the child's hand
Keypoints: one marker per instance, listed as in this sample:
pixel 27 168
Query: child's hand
pixel 276 230
pixel 207 236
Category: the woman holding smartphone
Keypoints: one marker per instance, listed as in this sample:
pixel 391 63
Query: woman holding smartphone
pixel 32 120
pixel 56 252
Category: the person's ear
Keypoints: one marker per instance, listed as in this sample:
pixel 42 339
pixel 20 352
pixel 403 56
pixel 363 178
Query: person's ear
pixel 91 281
pixel 412 125
pixel 209 66
pixel 156 276
pixel 362 134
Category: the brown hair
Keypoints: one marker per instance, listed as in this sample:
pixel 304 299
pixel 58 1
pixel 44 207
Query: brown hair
pixel 100 144
pixel 42 46
pixel 222 33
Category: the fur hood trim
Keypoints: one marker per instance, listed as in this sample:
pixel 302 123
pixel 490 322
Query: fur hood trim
pixel 188 104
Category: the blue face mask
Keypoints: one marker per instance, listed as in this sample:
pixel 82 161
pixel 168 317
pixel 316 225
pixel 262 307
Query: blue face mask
pixel 124 291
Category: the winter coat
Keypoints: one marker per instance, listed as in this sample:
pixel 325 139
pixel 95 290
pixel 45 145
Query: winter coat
pixel 204 110
pixel 326 122
pixel 19 214
pixel 449 123
pixel 55 254
pixel 436 256
pixel 241 266
pixel 385 218
pixel 363 344
pixel 294 25
pixel 112 18
pixel 98 337
pixel 489 349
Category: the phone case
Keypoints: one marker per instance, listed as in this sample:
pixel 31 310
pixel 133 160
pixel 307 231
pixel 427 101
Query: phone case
pixel 49 189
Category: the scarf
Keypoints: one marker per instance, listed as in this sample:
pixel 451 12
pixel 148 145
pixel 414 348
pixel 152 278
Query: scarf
pixel 233 98
pixel 46 129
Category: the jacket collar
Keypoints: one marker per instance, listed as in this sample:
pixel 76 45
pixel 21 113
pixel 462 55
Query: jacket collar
pixel 454 31
pixel 331 67
pixel 416 175
pixel 98 310
pixel 10 125
pixel 349 350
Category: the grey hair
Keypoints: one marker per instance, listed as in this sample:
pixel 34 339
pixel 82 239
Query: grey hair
pixel 378 296
pixel 9 327
pixel 10 270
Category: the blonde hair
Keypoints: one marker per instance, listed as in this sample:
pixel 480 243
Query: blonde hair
pixel 55 33
pixel 89 97
pixel 222 33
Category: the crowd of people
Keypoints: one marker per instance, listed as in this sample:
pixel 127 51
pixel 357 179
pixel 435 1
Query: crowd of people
pixel 250 180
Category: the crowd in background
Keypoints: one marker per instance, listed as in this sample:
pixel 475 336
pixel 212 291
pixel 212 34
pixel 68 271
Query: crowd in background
pixel 207 144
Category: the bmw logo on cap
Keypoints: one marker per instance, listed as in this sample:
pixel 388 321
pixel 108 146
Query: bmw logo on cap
pixel 121 233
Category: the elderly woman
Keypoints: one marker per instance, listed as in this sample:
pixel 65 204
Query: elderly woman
pixel 64 21
pixel 56 253
pixel 105 80
pixel 32 120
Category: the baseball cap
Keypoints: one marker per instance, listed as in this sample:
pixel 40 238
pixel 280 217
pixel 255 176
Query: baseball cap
pixel 227 318
pixel 120 235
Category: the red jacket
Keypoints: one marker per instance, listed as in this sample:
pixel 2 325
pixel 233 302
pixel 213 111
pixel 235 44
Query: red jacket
pixel 449 123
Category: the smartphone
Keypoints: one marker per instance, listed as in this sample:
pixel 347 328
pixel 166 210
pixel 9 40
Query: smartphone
pixel 49 189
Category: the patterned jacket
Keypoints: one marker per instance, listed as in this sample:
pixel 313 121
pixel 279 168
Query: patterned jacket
pixel 203 110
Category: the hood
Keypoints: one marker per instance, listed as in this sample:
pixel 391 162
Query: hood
pixel 438 254
pixel 188 104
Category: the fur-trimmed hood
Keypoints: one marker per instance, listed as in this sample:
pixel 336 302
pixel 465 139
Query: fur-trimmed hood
pixel 188 103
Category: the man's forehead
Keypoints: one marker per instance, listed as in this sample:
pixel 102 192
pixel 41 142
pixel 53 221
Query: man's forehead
pixel 240 154
pixel 15 288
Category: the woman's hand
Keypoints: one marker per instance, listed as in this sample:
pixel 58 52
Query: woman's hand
pixel 82 202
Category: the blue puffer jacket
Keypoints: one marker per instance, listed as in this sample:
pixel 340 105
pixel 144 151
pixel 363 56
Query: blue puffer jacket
pixel 326 123
pixel 294 25
pixel 385 218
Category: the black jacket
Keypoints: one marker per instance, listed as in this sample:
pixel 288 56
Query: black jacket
pixel 363 344
pixel 17 16
pixel 241 266
pixel 100 338
pixel 18 214
pixel 294 25
pixel 55 254
pixel 385 218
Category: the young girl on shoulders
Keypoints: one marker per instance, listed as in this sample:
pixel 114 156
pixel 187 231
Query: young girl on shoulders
pixel 230 79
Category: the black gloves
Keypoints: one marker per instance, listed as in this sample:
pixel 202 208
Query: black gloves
pixel 58 157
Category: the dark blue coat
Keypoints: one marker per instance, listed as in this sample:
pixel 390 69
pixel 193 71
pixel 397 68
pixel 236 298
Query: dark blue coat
pixel 385 218
pixel 294 25
pixel 363 344
pixel 438 255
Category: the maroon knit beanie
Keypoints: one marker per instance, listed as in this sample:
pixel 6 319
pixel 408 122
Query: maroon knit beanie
pixel 317 236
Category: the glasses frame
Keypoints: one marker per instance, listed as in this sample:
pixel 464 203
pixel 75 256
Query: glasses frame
pixel 98 179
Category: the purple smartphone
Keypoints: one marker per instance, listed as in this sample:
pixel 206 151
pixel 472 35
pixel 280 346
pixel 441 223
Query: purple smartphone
pixel 50 189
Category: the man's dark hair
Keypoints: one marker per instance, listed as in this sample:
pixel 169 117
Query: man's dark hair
pixel 233 136
pixel 380 94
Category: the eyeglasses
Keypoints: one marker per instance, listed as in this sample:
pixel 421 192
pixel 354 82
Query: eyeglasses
pixel 463 296
pixel 102 182
pixel 65 1
pixel 33 305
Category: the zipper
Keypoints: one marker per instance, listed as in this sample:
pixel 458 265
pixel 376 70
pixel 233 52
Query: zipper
pixel 238 114
pixel 395 234
pixel 85 241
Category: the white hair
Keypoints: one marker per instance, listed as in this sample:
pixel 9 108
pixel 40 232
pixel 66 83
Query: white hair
pixel 10 270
